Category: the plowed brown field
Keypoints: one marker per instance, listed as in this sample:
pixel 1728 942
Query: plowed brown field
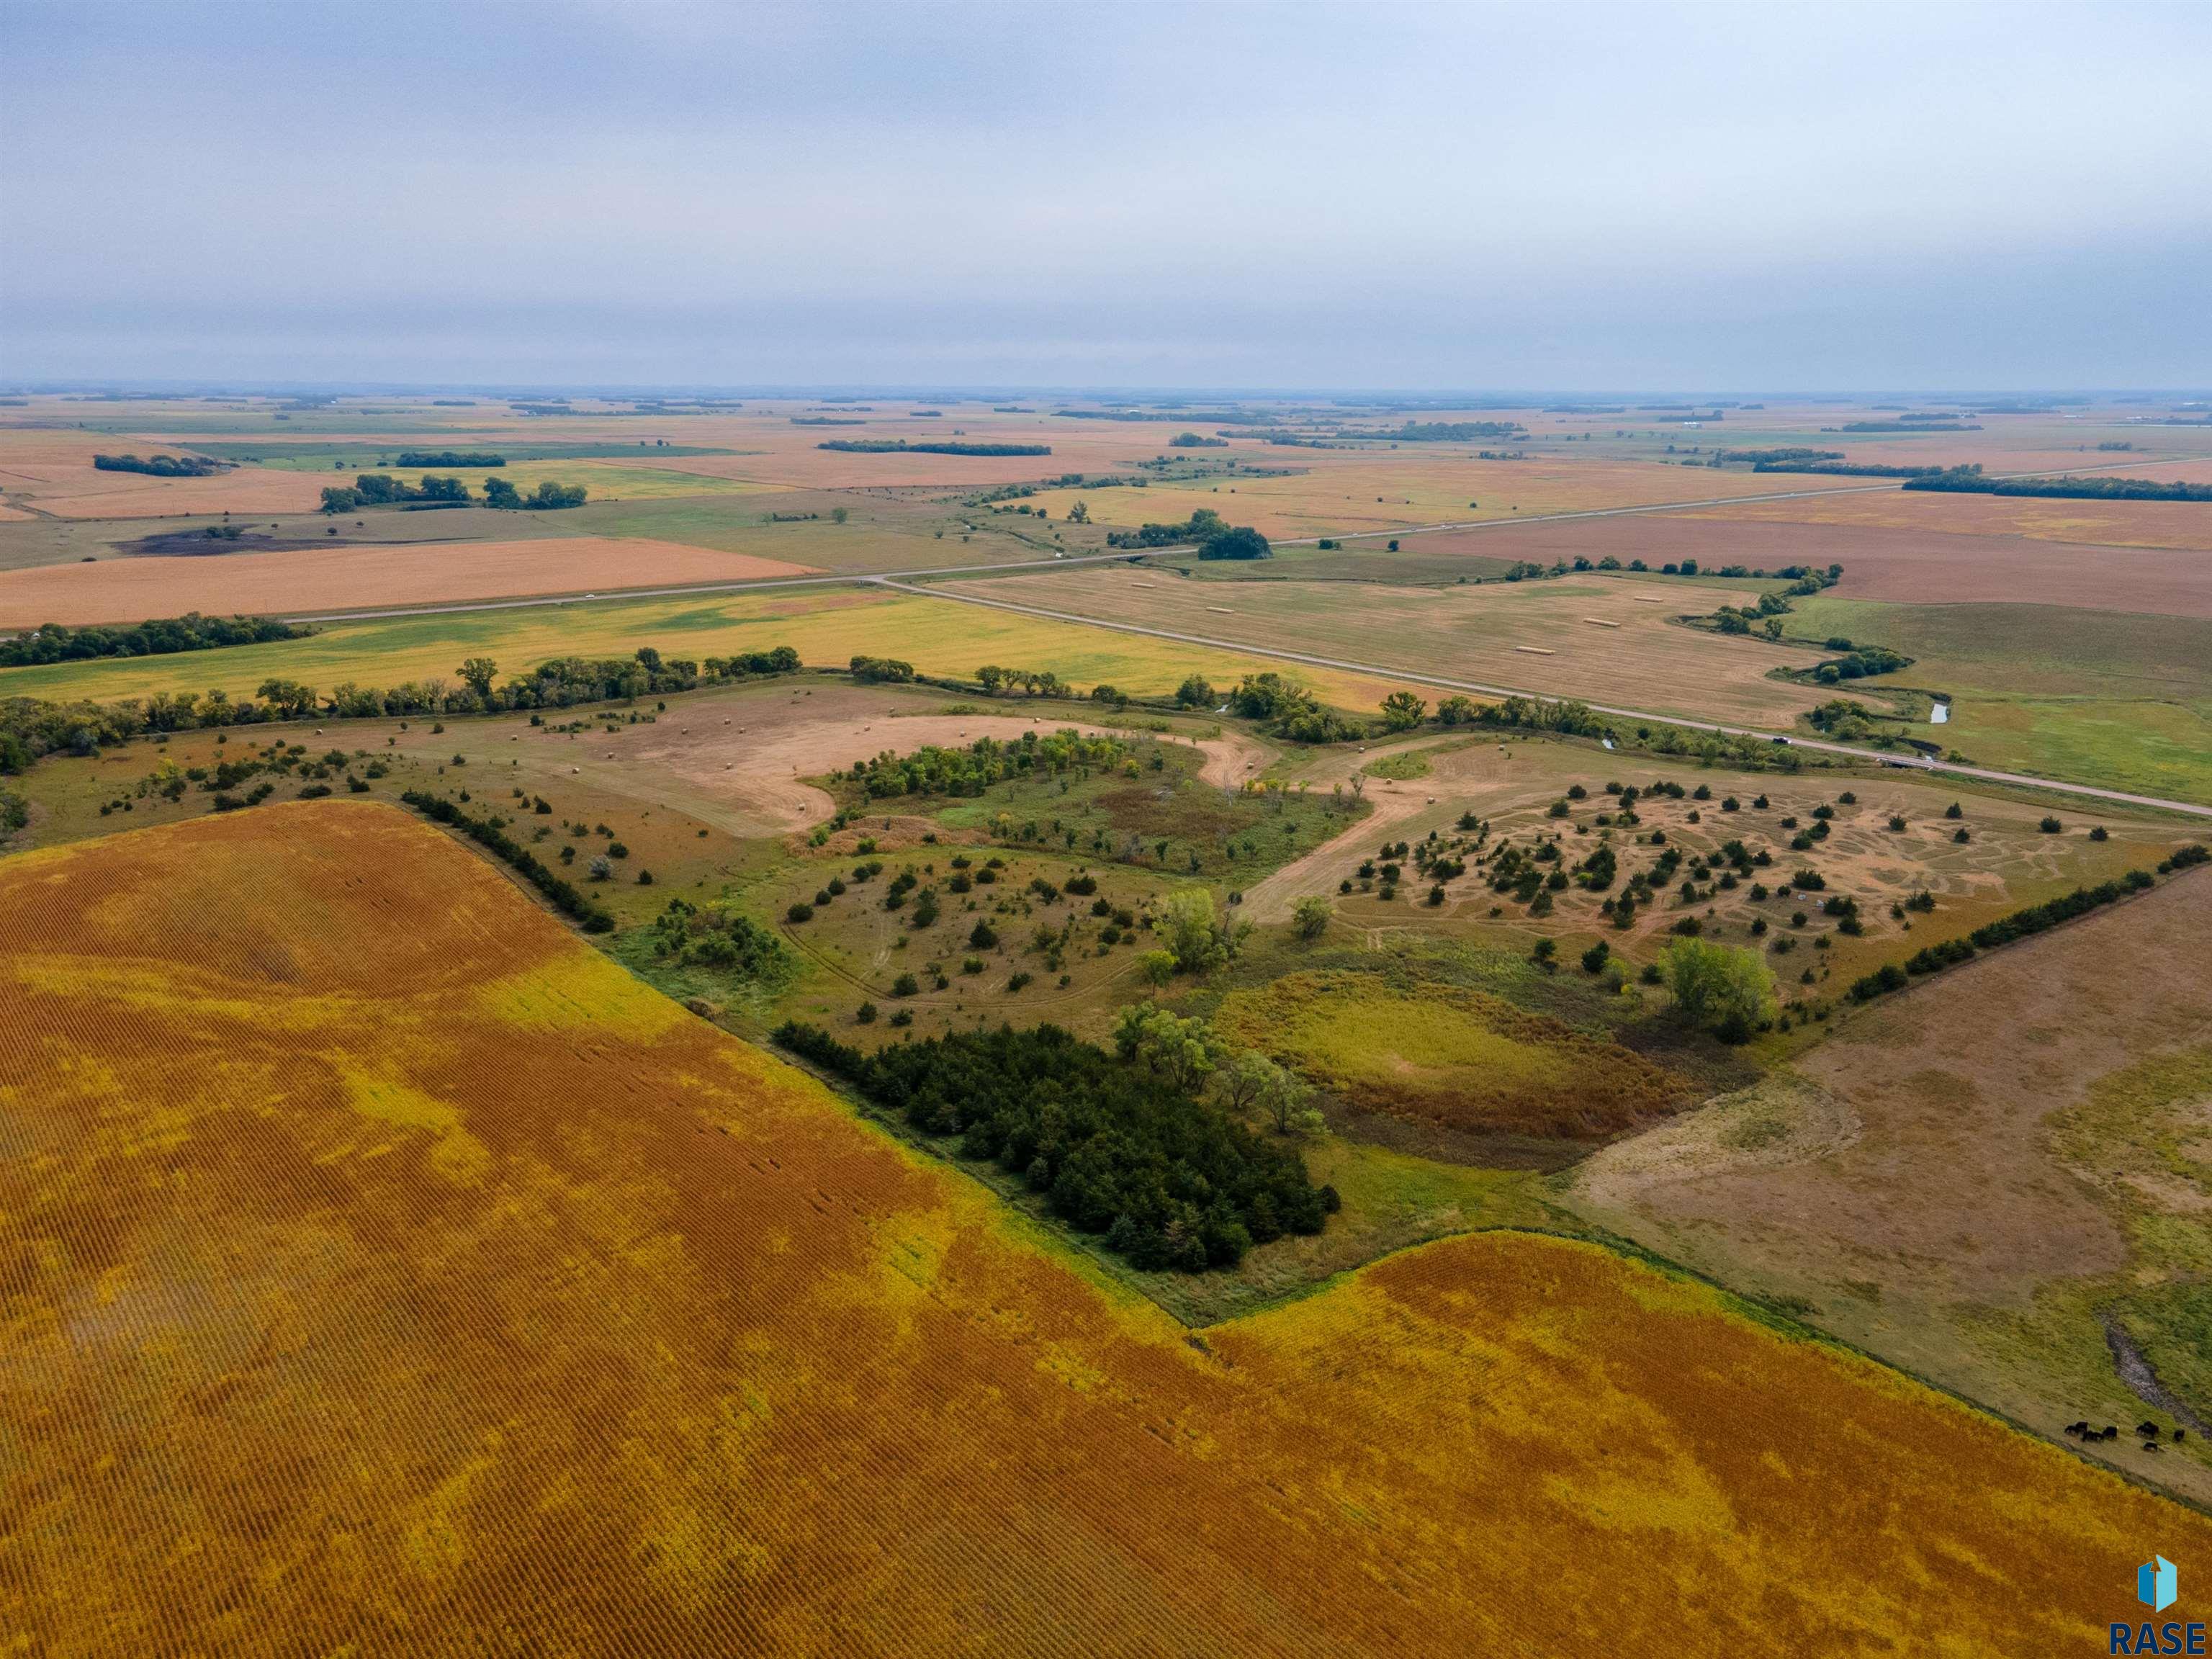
pixel 387 1273
pixel 353 577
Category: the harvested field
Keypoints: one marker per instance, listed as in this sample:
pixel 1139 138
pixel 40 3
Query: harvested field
pixel 54 472
pixel 1459 1059
pixel 1915 1183
pixel 1922 565
pixel 824 625
pixel 1352 491
pixel 2122 524
pixel 1530 635
pixel 391 1267
pixel 353 577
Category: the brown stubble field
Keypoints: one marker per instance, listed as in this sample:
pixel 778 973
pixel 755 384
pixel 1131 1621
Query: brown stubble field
pixel 1926 566
pixel 384 1256
pixel 1911 1184
pixel 1600 638
pixel 52 472
pixel 2177 524
pixel 356 576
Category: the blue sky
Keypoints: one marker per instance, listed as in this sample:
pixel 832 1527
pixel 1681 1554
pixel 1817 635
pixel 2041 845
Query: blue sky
pixel 1565 197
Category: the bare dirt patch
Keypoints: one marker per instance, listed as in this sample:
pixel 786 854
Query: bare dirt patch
pixel 756 762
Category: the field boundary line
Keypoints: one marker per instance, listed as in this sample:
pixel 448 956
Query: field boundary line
pixel 1919 763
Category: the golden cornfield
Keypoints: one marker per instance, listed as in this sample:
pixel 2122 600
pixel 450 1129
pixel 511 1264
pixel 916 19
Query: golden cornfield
pixel 384 1272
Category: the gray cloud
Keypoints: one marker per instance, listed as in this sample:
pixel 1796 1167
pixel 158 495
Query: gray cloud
pixel 1561 197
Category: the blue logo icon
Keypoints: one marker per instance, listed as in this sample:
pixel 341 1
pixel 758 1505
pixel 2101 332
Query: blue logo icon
pixel 2154 1583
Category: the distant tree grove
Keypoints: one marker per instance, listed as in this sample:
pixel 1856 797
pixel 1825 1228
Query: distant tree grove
pixel 55 642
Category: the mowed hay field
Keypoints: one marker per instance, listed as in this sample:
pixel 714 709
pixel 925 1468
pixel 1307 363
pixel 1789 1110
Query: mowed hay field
pixel 339 578
pixel 1967 1174
pixel 2125 524
pixel 1355 491
pixel 826 626
pixel 387 1269
pixel 1634 654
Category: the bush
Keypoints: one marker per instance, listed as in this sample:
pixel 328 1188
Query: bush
pixel 905 985
pixel 1716 987
pixel 798 913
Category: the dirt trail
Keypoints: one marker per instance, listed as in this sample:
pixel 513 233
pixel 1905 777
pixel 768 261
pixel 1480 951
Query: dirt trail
pixel 1480 773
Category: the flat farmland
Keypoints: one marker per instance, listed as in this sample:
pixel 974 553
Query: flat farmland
pixel 2098 697
pixel 608 479
pixel 53 472
pixel 1968 1175
pixel 1633 653
pixel 355 576
pixel 2120 524
pixel 1919 566
pixel 386 1254
pixel 1353 491
pixel 826 626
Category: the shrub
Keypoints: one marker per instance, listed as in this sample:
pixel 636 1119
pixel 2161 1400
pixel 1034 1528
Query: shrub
pixel 797 913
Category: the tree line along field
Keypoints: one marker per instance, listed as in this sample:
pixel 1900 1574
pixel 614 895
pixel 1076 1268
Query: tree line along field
pixel 826 626
pixel 722 1420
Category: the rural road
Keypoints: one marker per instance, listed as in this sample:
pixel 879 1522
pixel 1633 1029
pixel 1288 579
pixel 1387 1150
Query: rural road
pixel 832 578
pixel 1121 554
pixel 1876 756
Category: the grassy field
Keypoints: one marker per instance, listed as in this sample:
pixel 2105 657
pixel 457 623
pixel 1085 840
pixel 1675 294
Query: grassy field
pixel 1969 1178
pixel 1458 1057
pixel 1326 492
pixel 2094 696
pixel 504 1277
pixel 1607 639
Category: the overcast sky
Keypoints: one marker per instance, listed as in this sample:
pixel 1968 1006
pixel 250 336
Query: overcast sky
pixel 1560 197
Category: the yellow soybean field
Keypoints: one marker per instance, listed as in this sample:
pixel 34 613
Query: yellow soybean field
pixel 386 1271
